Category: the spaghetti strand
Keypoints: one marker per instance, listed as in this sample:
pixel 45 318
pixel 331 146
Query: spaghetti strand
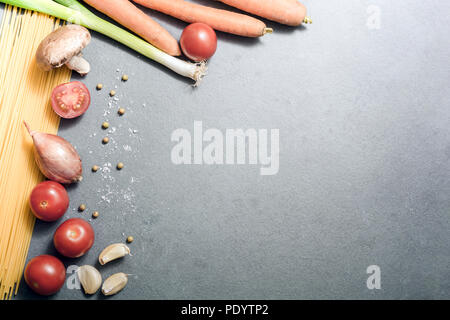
pixel 24 95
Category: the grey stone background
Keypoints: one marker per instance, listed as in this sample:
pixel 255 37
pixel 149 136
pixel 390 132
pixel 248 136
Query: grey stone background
pixel 364 172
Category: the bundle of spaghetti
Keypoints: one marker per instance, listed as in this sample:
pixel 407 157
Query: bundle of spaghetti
pixel 24 95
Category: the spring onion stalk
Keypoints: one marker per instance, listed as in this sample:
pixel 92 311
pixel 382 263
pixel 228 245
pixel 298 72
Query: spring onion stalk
pixel 74 12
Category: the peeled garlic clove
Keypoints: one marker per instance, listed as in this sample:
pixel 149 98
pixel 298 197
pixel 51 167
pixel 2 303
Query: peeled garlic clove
pixel 90 278
pixel 56 158
pixel 114 283
pixel 113 252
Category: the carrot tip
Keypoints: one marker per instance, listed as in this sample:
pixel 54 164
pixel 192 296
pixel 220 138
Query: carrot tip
pixel 267 30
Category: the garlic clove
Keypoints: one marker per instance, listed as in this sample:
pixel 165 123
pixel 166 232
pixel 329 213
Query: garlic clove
pixel 113 252
pixel 90 279
pixel 114 283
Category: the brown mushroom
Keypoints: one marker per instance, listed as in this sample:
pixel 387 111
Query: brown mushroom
pixel 63 47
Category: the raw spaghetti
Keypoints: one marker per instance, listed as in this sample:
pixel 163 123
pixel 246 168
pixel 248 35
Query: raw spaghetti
pixel 24 95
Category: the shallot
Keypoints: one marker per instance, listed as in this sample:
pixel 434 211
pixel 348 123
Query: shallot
pixel 56 158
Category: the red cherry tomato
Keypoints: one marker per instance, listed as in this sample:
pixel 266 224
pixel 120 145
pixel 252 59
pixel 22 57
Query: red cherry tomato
pixel 198 41
pixel 45 274
pixel 74 238
pixel 71 100
pixel 49 201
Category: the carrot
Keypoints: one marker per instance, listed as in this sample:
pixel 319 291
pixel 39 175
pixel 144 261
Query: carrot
pixel 217 19
pixel 128 15
pixel 289 12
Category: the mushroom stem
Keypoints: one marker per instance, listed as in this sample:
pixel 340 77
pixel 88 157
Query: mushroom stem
pixel 79 64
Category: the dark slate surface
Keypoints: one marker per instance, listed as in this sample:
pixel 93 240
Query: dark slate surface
pixel 364 162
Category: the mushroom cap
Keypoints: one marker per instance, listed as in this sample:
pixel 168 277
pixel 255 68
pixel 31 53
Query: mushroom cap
pixel 61 45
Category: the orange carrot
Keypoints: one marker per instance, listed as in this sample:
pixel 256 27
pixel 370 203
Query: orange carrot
pixel 217 19
pixel 128 15
pixel 290 12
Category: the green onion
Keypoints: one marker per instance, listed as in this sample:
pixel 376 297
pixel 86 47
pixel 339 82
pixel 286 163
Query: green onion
pixel 73 12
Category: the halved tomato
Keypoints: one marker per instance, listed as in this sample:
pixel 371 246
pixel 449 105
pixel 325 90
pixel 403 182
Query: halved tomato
pixel 71 100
